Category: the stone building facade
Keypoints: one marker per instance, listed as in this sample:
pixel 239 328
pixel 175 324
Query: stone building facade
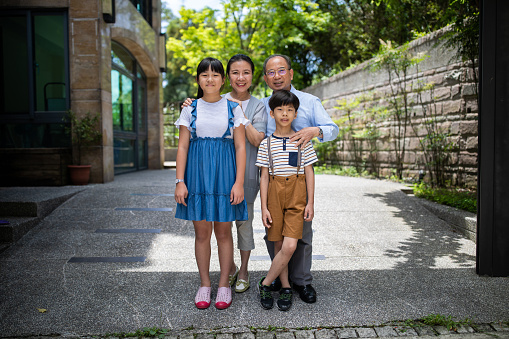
pixel 452 103
pixel 102 56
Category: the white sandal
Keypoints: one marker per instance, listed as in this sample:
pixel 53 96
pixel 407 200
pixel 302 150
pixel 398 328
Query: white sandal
pixel 242 285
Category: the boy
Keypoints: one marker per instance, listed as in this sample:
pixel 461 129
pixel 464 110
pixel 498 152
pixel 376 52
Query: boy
pixel 287 186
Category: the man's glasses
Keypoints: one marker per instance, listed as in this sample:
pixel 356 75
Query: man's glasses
pixel 272 73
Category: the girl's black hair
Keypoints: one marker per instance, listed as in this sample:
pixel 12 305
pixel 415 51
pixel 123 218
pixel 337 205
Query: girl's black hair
pixel 239 57
pixel 283 98
pixel 214 64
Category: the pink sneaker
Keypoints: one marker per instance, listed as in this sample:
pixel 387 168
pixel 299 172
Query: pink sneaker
pixel 223 298
pixel 202 299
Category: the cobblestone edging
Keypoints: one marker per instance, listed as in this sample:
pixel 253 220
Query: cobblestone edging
pixel 339 333
pixel 494 330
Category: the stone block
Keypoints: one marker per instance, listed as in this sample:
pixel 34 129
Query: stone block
pixel 453 77
pixel 442 330
pixel 471 143
pixel 385 331
pixel 425 97
pixel 437 79
pixel 467 159
pixel 425 331
pixel 406 332
pixel 264 335
pixel 84 37
pixel 86 106
pixel 468 127
pixel 442 93
pixel 471 106
pixel 83 77
pixel 469 90
pixel 455 127
pixel 245 335
pixel 366 332
pixel 410 158
pixel 483 328
pixel 86 94
pixel 304 334
pixel 464 329
pixel 286 335
pixel 456 92
pixel 346 333
pixel 453 159
pixel 325 334
pixel 469 74
pixel 84 9
pixel 205 336
pixel 413 144
pixel 449 107
pixel 500 327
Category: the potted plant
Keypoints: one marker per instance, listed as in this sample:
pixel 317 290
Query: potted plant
pixel 84 132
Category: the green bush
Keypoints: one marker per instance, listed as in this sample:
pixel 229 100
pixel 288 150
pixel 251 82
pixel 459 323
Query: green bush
pixel 459 198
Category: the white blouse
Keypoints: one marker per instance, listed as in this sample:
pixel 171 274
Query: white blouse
pixel 212 118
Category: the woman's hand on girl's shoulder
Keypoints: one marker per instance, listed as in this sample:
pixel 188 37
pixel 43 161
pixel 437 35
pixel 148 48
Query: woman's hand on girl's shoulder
pixel 237 194
pixel 237 101
pixel 187 102
pixel 181 193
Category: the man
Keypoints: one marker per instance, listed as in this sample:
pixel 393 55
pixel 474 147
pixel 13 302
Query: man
pixel 312 121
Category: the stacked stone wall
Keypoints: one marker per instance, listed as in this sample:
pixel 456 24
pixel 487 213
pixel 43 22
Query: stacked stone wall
pixel 452 104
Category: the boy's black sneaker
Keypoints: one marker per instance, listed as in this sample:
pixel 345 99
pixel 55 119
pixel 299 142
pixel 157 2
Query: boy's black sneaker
pixel 276 285
pixel 285 299
pixel 265 295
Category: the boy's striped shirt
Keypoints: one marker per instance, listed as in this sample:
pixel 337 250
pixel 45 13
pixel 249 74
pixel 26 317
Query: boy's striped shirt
pixel 284 156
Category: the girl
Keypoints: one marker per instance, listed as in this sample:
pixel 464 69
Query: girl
pixel 211 161
pixel 240 71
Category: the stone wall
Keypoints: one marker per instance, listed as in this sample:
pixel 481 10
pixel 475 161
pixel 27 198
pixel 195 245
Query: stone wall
pixel 452 103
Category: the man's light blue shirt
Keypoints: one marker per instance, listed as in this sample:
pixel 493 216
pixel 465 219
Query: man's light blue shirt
pixel 310 114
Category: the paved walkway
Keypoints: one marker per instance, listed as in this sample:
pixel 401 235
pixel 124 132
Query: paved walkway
pixel 113 259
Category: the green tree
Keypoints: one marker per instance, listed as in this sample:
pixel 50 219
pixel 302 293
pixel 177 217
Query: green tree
pixel 178 84
pixel 396 62
pixel 256 28
pixel 354 35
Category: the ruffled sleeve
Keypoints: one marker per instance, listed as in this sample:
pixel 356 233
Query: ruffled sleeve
pixel 185 118
pixel 239 118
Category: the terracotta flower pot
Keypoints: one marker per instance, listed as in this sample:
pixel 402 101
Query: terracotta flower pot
pixel 80 174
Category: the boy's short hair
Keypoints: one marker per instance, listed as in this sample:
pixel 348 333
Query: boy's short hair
pixel 283 98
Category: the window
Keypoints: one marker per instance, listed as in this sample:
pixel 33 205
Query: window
pixel 145 9
pixel 129 111
pixel 34 85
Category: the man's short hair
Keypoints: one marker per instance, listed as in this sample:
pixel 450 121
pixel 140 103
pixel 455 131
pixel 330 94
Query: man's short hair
pixel 287 59
pixel 283 98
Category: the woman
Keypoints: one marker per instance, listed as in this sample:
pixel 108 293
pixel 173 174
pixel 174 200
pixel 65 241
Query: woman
pixel 240 71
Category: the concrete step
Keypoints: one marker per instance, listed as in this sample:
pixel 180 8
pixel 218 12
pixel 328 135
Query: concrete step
pixel 17 228
pixel 22 208
pixel 170 164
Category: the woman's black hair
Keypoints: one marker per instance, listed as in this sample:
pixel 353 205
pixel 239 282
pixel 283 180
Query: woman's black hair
pixel 283 98
pixel 214 64
pixel 239 57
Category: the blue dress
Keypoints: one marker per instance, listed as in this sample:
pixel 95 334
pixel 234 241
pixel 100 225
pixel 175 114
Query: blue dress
pixel 210 175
